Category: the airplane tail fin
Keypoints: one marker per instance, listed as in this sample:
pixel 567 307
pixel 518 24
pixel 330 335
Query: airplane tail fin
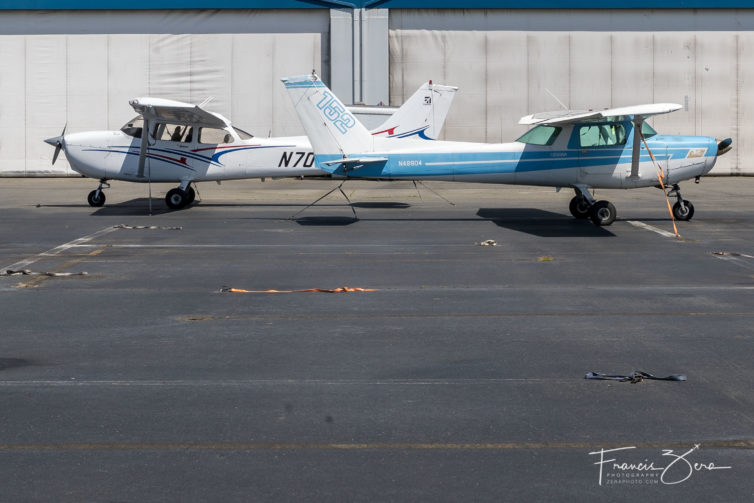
pixel 422 115
pixel 329 126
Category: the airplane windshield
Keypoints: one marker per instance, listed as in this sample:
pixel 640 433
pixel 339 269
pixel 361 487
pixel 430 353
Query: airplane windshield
pixel 647 131
pixel 243 134
pixel 133 127
pixel 540 135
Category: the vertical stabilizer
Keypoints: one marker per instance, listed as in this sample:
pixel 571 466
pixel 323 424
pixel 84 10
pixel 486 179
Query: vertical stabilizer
pixel 328 124
pixel 422 115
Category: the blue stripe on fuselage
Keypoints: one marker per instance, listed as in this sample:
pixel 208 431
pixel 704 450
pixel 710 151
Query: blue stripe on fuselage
pixel 527 160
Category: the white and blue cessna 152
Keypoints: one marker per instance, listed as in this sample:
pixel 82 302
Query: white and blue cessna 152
pixel 582 150
pixel 187 144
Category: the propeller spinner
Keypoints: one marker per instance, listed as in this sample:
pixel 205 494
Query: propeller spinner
pixel 57 142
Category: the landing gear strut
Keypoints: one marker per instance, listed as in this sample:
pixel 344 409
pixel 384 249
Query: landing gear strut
pixel 583 206
pixel 682 209
pixel 96 198
pixel 180 197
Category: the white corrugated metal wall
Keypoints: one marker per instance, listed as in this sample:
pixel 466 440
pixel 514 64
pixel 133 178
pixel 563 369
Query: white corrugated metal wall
pixel 81 68
pixel 508 62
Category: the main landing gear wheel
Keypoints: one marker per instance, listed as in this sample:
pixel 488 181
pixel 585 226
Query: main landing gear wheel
pixel 96 198
pixel 190 195
pixel 579 207
pixel 176 199
pixel 684 212
pixel 603 213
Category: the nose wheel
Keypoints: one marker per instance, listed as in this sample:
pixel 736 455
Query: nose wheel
pixel 682 209
pixel 96 198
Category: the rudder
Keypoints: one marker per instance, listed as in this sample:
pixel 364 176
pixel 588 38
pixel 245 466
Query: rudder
pixel 328 124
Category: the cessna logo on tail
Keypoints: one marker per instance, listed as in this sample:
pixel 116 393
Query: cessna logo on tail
pixel 335 113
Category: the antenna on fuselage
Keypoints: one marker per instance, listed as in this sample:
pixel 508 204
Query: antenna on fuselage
pixel 556 99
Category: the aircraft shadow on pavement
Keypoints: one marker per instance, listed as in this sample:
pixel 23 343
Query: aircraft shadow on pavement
pixel 386 205
pixel 137 207
pixel 326 221
pixel 542 223
pixel 11 363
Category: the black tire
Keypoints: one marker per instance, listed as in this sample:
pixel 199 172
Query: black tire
pixel 579 207
pixel 190 195
pixel 176 199
pixel 603 213
pixel 96 200
pixel 683 213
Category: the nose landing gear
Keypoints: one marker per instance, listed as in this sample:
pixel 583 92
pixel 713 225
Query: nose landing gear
pixel 682 209
pixel 96 198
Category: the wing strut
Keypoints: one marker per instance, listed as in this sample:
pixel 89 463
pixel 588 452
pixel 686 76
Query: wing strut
pixel 635 153
pixel 142 158
pixel 144 145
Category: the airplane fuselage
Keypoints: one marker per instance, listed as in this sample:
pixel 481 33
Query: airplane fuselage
pixel 114 155
pixel 563 163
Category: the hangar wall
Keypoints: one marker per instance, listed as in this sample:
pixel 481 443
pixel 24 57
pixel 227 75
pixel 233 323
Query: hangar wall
pixel 508 63
pixel 81 68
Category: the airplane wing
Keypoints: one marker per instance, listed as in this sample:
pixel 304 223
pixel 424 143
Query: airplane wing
pixel 571 116
pixel 177 112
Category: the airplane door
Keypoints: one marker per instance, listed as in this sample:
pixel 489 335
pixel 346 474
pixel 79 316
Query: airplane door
pixel 601 147
pixel 164 152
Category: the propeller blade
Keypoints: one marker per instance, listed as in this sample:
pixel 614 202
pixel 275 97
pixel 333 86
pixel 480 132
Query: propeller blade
pixel 58 148
pixel 724 146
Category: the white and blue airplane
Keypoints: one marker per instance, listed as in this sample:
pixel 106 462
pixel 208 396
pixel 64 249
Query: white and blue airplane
pixel 187 144
pixel 581 150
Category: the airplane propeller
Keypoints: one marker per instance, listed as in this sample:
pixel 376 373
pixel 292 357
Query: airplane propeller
pixel 724 146
pixel 57 142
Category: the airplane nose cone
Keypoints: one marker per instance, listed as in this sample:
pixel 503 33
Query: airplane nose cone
pixel 54 141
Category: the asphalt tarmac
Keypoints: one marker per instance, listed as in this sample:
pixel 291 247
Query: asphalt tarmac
pixel 461 378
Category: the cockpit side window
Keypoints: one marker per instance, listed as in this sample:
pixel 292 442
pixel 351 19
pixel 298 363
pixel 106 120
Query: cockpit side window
pixel 602 135
pixel 213 136
pixel 540 135
pixel 173 132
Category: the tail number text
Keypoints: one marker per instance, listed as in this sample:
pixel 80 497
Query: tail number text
pixel 296 158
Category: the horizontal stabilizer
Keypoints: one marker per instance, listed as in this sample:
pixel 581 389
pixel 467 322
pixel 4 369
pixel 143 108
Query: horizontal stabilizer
pixel 348 161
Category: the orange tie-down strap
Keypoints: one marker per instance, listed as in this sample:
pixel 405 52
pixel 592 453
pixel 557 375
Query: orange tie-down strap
pixel 322 290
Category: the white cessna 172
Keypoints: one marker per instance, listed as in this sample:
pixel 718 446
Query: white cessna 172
pixel 187 144
pixel 581 150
